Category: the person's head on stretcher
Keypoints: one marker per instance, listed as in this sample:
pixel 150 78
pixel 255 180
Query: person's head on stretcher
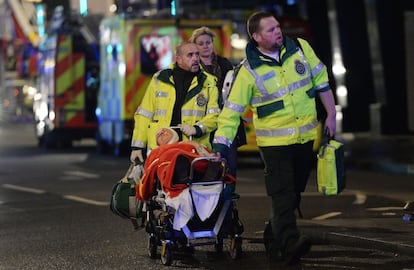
pixel 166 136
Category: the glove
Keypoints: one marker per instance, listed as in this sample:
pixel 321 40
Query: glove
pixel 136 154
pixel 188 130
pixel 221 150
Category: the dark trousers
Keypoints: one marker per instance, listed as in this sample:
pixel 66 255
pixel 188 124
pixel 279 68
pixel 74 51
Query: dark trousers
pixel 286 172
pixel 232 159
pixel 238 141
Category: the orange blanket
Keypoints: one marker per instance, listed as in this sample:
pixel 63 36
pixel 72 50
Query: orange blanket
pixel 161 163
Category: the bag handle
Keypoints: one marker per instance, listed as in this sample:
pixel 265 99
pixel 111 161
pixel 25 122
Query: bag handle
pixel 130 168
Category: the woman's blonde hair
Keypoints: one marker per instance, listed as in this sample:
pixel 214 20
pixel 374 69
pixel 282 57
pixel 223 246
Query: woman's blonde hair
pixel 204 30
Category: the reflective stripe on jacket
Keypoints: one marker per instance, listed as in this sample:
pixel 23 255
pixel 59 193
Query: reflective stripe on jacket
pixel 280 94
pixel 155 111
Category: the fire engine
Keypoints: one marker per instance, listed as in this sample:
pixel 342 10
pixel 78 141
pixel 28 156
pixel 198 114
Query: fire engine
pixel 132 50
pixel 68 83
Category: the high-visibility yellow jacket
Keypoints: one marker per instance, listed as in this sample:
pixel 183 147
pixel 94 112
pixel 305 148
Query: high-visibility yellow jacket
pixel 280 93
pixel 200 108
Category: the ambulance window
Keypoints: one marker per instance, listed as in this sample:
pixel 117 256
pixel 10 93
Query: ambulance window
pixel 156 53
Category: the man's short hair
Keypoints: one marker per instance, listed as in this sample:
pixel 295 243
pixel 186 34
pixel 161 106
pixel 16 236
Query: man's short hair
pixel 178 49
pixel 253 23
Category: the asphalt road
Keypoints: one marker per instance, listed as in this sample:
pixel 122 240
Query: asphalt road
pixel 54 214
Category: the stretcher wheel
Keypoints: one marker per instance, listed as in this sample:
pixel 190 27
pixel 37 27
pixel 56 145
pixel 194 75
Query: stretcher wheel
pixel 152 247
pixel 218 246
pixel 167 254
pixel 236 247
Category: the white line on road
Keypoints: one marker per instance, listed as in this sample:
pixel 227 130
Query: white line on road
pixel 390 208
pixel 69 197
pixel 360 198
pixel 25 189
pixel 81 174
pixel 328 215
pixel 401 245
pixel 71 178
pixel 85 200
pixel 244 195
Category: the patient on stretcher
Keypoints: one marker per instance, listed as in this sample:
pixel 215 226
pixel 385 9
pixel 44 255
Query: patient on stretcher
pixel 169 164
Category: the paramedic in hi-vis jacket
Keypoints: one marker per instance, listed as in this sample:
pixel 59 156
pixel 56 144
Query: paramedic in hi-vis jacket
pixel 181 96
pixel 279 81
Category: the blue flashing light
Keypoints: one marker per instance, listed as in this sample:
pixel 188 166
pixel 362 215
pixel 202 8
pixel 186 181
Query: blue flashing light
pixel 109 49
pixel 119 48
pixel 173 8
pixel 98 112
pixel 40 16
pixel 83 7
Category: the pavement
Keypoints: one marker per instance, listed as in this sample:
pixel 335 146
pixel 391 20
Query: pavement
pixel 390 155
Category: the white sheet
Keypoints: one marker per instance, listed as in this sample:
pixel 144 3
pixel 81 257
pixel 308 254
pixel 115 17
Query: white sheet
pixel 205 201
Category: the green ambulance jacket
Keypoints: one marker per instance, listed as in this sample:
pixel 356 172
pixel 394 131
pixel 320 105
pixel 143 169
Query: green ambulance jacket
pixel 281 95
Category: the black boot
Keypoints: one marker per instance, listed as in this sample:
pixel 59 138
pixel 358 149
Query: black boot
pixel 296 249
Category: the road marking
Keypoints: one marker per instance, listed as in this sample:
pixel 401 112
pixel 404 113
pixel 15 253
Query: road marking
pixel 85 200
pixel 390 208
pixel 360 198
pixel 389 214
pixel 70 178
pixel 400 245
pixel 81 174
pixel 246 195
pixel 25 189
pixel 69 197
pixel 328 215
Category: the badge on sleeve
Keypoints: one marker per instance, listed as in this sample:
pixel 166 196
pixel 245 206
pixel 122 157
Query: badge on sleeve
pixel 300 67
pixel 201 100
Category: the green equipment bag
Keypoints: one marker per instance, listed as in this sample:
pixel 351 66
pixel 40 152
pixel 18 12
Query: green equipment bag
pixel 331 168
pixel 123 201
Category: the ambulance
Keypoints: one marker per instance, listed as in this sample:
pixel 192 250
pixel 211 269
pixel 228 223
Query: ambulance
pixel 68 83
pixel 132 50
